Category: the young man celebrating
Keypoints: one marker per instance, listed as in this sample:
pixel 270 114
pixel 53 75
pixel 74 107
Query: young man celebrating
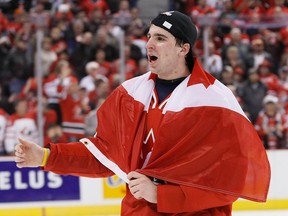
pixel 180 134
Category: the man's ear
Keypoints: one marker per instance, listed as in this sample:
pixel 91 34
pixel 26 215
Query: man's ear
pixel 185 49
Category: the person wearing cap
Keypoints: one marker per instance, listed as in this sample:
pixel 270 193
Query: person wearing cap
pixel 270 123
pixel 88 82
pixel 175 135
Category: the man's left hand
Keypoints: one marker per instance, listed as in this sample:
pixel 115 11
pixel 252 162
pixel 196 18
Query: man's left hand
pixel 141 187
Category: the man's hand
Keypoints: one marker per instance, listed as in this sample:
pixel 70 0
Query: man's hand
pixel 142 187
pixel 28 154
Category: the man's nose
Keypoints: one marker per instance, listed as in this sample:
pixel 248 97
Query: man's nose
pixel 149 44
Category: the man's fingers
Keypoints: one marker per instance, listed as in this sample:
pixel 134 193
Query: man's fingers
pixel 18 148
pixel 134 175
pixel 20 164
pixel 19 159
pixel 18 154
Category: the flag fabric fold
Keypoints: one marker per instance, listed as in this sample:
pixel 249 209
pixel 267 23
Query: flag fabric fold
pixel 204 141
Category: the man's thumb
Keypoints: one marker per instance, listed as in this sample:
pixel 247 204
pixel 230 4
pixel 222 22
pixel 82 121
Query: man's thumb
pixel 22 141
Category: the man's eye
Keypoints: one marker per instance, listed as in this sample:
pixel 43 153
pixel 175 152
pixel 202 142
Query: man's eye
pixel 160 38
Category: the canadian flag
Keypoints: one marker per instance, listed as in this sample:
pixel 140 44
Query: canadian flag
pixel 204 141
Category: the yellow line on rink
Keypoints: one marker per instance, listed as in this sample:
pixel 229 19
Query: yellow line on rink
pixel 270 204
pixel 22 212
pixel 111 210
pixel 83 210
pixel 114 210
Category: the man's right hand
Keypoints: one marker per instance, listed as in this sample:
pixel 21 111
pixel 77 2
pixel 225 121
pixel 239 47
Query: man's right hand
pixel 28 154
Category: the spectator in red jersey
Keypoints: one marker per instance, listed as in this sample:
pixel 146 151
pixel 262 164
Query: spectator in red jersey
pixel 63 15
pixel 56 84
pixel 202 8
pixel 270 123
pixel 268 78
pixel 73 111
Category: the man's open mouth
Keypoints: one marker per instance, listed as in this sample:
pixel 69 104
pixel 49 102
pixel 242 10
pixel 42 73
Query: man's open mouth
pixel 152 58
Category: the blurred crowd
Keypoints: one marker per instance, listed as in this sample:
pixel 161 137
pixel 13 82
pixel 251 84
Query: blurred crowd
pixel 80 61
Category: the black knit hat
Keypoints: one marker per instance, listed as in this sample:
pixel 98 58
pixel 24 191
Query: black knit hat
pixel 181 27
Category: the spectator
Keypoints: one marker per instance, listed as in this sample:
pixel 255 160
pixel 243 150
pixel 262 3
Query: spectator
pixel 83 48
pixel 88 82
pixel 258 54
pixel 252 93
pixel 236 38
pixel 102 42
pixel 270 123
pixel 214 61
pixel 58 43
pixel 227 75
pixel 233 57
pixel 268 78
pixel 73 111
pixel 47 56
pixel 102 90
pixel 57 84
pixel 20 124
pixel 123 17
pixel 105 67
pixel 17 66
